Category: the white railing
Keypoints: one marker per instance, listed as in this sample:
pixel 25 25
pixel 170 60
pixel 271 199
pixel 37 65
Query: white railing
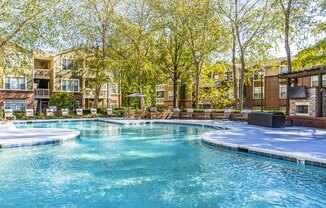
pixel 160 87
pixel 42 73
pixel 91 93
pixel 42 93
pixel 159 100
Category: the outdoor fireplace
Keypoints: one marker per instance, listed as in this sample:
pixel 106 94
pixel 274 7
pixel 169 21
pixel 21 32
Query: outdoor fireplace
pixel 307 106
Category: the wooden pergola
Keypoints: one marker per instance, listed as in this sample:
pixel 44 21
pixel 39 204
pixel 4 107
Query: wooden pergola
pixel 313 71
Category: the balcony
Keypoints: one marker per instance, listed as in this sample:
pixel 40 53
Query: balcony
pixel 160 87
pixel 42 74
pixel 89 93
pixel 159 101
pixel 42 93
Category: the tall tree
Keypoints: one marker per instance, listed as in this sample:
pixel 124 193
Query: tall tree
pixel 172 54
pixel 203 35
pixel 91 26
pixel 134 42
pixel 26 21
pixel 251 22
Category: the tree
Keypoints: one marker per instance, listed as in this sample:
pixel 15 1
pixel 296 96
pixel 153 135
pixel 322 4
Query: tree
pixel 311 56
pixel 91 26
pixel 294 14
pixel 63 100
pixel 133 43
pixel 172 55
pixel 212 90
pixel 26 21
pixel 203 35
pixel 251 22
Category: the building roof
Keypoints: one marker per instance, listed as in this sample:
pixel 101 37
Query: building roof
pixel 315 70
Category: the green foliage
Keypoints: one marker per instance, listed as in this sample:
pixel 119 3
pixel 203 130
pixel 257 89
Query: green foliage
pixel 1 114
pixel 119 111
pixel 312 56
pixel 63 100
pixel 102 111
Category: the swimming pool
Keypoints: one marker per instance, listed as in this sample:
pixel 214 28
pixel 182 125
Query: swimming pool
pixel 158 165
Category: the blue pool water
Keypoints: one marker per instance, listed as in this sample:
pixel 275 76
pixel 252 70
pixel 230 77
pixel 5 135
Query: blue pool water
pixel 150 166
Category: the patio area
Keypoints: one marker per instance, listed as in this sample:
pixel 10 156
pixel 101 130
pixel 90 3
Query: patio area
pixel 302 143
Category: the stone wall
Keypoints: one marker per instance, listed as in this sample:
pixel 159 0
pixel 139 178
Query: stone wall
pixel 311 101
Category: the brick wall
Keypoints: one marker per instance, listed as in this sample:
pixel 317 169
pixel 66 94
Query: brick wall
pixel 316 122
pixel 28 96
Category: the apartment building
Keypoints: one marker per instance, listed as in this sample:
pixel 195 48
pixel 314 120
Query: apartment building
pixel 272 85
pixel 50 73
pixel 164 96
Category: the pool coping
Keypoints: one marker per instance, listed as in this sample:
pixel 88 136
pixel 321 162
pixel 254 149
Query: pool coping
pixel 206 139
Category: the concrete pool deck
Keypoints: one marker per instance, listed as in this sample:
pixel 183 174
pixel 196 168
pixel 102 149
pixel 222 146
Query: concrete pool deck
pixel 11 137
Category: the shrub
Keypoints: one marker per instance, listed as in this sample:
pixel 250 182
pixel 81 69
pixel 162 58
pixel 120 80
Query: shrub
pixel 102 111
pixel 20 115
pixel 63 100
pixel 119 111
pixel 1 114
pixel 86 112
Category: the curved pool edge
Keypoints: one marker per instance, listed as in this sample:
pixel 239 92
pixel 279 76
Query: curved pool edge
pixel 16 138
pixel 208 139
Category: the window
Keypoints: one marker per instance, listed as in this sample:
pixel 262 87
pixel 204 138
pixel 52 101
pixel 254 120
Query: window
pixel 257 94
pixel 215 76
pixel 256 77
pixel 70 85
pixel 228 76
pixel 113 89
pixel 170 94
pixel 302 109
pixel 66 64
pixel 283 91
pixel 160 94
pixel 15 105
pixel 314 81
pixel 77 104
pixel 284 69
pixel 15 83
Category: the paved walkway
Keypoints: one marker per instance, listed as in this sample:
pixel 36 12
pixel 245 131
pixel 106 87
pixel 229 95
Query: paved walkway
pixel 300 142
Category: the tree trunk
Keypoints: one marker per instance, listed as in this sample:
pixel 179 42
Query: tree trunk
pixel 242 76
pixel 197 85
pixel 286 39
pixel 175 90
pixel 97 96
pixel 235 81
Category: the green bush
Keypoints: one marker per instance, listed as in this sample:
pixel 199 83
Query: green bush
pixel 119 111
pixel 102 111
pixel 63 100
pixel 1 114
pixel 86 112
pixel 20 115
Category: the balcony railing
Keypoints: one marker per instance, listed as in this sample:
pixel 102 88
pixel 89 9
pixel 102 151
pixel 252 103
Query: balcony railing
pixel 160 87
pixel 42 93
pixel 159 100
pixel 91 93
pixel 42 73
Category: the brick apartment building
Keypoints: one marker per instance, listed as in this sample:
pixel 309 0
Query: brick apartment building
pixel 46 74
pixel 274 88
